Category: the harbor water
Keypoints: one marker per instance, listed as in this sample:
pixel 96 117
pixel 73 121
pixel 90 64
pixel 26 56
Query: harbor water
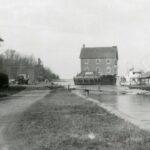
pixel 134 104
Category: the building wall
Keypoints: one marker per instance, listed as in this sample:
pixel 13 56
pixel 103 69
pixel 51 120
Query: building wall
pixel 106 66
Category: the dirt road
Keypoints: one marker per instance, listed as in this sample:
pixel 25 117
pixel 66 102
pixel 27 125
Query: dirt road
pixel 14 105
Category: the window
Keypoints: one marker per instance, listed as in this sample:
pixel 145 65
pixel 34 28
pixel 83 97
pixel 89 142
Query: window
pixel 115 68
pixel 98 61
pixel 108 70
pixel 86 69
pixel 86 61
pixel 97 69
pixel 108 61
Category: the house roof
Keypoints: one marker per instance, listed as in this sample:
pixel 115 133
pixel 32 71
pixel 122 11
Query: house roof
pixel 99 52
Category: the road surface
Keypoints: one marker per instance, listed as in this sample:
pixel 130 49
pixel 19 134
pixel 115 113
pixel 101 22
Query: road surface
pixel 16 104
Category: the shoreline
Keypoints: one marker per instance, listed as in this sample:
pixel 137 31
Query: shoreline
pixel 113 111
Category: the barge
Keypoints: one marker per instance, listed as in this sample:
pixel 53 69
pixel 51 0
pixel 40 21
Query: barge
pixel 95 80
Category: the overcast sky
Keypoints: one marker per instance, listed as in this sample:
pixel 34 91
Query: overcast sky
pixel 55 30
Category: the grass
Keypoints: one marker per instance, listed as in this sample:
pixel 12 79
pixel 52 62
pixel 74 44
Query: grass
pixel 10 90
pixel 63 121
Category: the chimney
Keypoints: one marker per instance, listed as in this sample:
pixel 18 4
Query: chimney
pixel 83 45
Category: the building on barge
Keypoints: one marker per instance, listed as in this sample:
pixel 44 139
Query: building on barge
pixel 141 82
pixel 99 65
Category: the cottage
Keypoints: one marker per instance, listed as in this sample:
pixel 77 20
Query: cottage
pixel 98 64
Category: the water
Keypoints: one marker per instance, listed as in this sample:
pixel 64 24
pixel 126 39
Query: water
pixel 132 103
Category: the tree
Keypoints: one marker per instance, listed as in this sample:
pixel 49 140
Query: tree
pixel 3 80
pixel 15 63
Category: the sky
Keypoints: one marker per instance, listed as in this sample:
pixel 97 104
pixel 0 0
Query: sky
pixel 55 31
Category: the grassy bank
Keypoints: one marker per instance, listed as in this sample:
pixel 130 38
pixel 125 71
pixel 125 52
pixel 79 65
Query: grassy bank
pixel 10 90
pixel 63 121
pixel 17 88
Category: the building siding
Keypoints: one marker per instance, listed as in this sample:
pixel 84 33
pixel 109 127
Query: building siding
pixel 92 66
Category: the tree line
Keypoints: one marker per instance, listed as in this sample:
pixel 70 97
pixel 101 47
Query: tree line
pixel 12 63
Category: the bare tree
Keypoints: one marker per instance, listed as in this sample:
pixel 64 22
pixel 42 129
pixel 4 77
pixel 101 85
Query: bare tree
pixel 15 63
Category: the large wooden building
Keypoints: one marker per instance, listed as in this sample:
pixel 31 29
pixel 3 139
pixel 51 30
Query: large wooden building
pixel 102 60
pixel 98 65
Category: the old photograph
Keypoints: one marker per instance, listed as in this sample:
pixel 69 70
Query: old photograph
pixel 74 75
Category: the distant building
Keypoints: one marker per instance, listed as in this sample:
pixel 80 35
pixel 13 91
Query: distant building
pixel 28 71
pixel 13 72
pixel 100 60
pixel 99 65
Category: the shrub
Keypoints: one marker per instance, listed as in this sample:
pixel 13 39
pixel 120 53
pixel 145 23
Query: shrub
pixel 4 83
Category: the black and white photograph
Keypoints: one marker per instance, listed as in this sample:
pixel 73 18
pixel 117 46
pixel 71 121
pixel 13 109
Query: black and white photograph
pixel 74 75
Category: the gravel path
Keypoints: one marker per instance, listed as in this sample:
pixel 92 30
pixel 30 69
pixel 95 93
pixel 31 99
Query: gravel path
pixel 16 104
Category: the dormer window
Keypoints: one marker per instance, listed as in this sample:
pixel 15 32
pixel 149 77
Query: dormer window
pixel 86 61
pixel 98 61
